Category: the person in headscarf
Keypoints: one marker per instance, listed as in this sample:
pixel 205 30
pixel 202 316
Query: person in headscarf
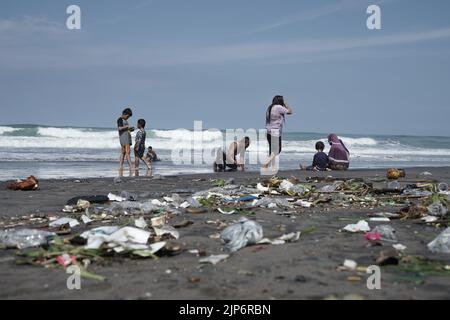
pixel 338 156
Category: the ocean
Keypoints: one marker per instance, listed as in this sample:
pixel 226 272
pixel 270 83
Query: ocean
pixel 69 152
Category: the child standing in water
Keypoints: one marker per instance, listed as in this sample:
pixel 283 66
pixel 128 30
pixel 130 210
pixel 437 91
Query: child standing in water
pixel 125 139
pixel 139 147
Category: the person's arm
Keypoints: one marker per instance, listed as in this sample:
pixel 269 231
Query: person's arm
pixel 241 162
pixel 121 126
pixel 230 153
pixel 289 109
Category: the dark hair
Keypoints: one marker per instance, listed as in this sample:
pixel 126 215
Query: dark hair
pixel 141 122
pixel 320 146
pixel 127 112
pixel 277 100
pixel 150 148
pixel 247 141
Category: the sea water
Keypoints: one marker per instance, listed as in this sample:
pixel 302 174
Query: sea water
pixel 69 152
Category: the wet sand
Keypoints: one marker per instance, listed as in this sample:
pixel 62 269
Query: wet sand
pixel 306 269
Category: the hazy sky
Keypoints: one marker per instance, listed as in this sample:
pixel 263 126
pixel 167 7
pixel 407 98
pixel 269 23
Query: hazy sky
pixel 222 61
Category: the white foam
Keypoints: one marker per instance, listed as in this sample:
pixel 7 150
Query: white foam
pixel 4 130
pixel 183 134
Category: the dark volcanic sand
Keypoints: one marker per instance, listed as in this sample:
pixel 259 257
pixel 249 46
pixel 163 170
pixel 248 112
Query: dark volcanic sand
pixel 306 269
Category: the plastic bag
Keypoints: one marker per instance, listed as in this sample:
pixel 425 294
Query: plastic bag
pixel 128 196
pixel 272 202
pixel 386 232
pixel 361 226
pixel 24 238
pixel 62 221
pixel 442 243
pixel 241 234
pixel 437 209
pixel 119 207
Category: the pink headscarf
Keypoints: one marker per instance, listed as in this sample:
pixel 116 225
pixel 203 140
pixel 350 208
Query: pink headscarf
pixel 338 149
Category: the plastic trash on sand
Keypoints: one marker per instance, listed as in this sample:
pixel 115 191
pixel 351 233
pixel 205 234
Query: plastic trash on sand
pixel 442 243
pixel 442 187
pixel 399 247
pixel 24 238
pixel 127 238
pixel 62 221
pixel 169 230
pixel 350 265
pixel 140 223
pixel 114 197
pixel 290 237
pixel 417 193
pixel 272 202
pixel 286 185
pixel 261 188
pixel 361 226
pixel 146 207
pixel 331 187
pixel 128 196
pixel 214 259
pixel 243 233
pixel 437 209
pixel 386 232
pixel 303 203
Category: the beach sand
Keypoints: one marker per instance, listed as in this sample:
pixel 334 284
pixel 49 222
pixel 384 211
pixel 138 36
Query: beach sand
pixel 306 269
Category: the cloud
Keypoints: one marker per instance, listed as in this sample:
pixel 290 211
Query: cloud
pixel 29 25
pixel 316 13
pixel 39 43
pixel 308 15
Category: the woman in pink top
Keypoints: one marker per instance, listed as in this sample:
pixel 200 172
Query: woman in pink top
pixel 275 117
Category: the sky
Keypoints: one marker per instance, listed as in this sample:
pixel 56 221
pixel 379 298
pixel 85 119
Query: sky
pixel 221 62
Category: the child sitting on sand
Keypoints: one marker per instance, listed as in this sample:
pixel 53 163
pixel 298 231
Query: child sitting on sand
pixel 139 146
pixel 151 155
pixel 320 161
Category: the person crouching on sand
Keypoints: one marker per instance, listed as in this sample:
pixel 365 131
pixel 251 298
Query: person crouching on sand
pixel 139 147
pixel 339 154
pixel 228 159
pixel 275 118
pixel 320 160
pixel 151 155
pixel 125 139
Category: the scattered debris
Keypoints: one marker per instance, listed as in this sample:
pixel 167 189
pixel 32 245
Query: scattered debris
pixel 214 259
pixel 361 226
pixel 31 183
pixel 442 242
pixel 63 221
pixel 388 257
pixel 24 238
pixel 244 232
pixel 394 174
